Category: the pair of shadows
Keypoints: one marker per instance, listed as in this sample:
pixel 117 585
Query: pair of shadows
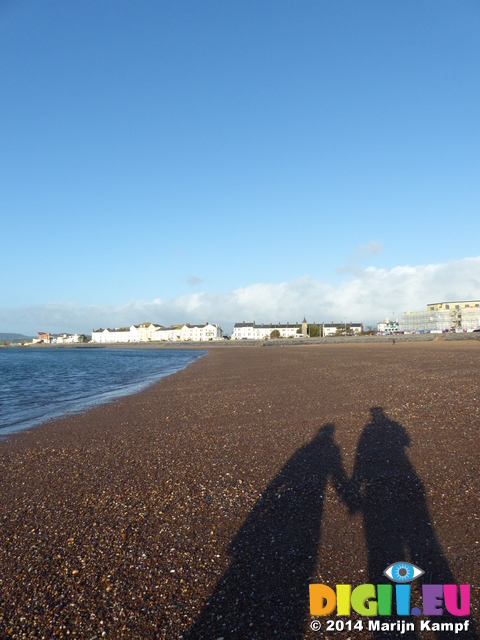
pixel 264 593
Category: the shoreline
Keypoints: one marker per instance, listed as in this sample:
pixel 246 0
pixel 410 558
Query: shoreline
pixel 142 510
pixel 80 404
pixel 279 342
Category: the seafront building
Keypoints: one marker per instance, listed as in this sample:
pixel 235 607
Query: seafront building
pixel 67 338
pixel 119 334
pixel 387 326
pixel 149 332
pixel 439 317
pixel 333 328
pixel 190 333
pixel 252 331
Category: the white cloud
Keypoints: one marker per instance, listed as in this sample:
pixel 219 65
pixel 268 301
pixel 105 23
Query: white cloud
pixel 366 296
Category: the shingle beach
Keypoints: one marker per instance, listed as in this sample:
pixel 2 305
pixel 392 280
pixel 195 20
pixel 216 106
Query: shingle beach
pixel 204 506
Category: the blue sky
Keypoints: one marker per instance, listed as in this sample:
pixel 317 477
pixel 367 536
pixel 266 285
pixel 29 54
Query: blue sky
pixel 169 160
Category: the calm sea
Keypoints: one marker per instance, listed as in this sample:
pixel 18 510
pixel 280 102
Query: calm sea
pixel 38 384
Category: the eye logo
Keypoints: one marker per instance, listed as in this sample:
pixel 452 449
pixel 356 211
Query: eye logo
pixel 377 600
pixel 403 572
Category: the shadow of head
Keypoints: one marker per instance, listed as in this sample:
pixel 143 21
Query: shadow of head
pixel 325 433
pixel 378 415
pixel 388 432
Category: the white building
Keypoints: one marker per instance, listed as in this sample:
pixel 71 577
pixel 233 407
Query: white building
pixel 65 338
pixel 149 332
pixel 103 336
pixel 144 332
pixel 251 331
pixel 190 333
pixel 168 335
pixel 332 328
pixel 388 326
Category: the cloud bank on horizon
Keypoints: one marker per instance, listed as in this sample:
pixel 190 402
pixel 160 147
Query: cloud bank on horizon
pixel 367 296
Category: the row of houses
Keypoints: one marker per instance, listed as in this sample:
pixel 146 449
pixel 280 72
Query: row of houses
pixel 252 331
pixel 439 317
pixel 150 332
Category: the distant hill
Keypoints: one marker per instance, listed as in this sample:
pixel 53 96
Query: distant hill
pixel 14 336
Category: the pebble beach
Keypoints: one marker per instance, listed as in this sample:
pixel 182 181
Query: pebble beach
pixel 204 506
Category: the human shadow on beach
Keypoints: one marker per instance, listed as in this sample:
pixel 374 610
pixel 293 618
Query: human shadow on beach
pixel 397 524
pixel 264 592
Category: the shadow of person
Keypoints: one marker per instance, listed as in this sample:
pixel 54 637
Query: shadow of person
pixel 398 527
pixel 264 593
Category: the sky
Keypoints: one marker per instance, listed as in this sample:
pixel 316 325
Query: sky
pixel 227 161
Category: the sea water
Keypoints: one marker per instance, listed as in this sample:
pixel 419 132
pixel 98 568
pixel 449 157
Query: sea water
pixel 41 383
